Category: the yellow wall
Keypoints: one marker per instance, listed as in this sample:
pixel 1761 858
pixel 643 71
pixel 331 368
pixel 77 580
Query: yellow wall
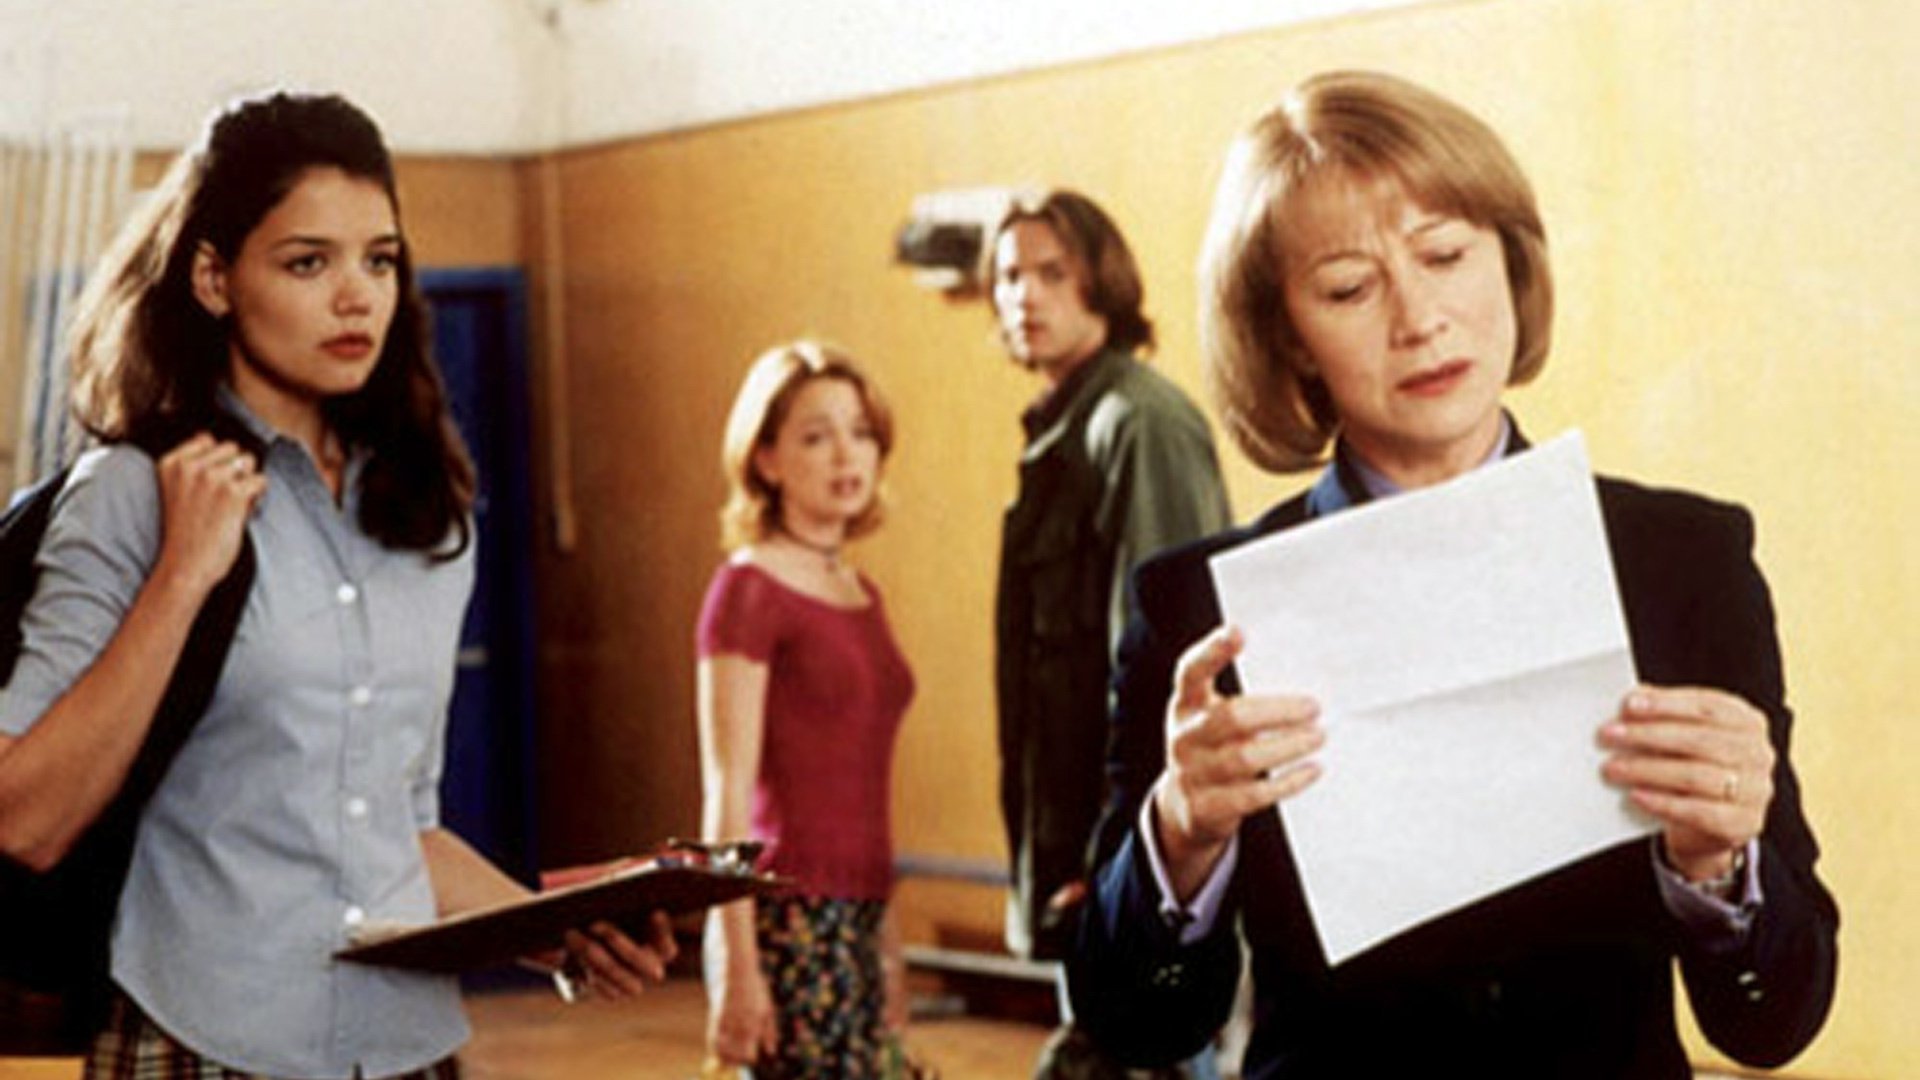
pixel 1725 185
pixel 460 212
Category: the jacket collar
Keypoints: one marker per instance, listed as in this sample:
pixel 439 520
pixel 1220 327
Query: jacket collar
pixel 1047 417
pixel 1343 485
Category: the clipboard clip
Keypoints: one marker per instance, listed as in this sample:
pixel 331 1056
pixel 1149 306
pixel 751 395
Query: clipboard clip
pixel 735 857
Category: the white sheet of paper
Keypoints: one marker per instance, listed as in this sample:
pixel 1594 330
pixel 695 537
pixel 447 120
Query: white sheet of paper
pixel 1465 643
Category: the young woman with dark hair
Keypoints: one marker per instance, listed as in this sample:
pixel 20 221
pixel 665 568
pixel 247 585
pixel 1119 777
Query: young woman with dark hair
pixel 259 316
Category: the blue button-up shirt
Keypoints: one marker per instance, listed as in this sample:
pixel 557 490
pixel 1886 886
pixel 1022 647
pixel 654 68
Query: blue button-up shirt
pixel 293 813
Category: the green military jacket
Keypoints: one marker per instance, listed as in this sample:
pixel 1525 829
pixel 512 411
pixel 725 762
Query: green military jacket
pixel 1124 468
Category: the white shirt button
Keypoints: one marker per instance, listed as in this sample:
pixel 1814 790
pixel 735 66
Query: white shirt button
pixel 354 916
pixel 360 695
pixel 357 807
pixel 346 593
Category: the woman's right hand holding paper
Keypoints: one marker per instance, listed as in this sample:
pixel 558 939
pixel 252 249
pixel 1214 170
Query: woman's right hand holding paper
pixel 1228 756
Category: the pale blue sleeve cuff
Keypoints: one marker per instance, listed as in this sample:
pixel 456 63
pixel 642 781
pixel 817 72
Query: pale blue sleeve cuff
pixel 1716 924
pixel 1196 918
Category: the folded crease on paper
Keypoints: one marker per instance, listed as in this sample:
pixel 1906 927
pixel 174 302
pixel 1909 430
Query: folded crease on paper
pixel 1465 643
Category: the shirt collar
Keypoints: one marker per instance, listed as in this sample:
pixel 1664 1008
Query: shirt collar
pixel 1350 481
pixel 235 406
pixel 1052 404
pixel 268 436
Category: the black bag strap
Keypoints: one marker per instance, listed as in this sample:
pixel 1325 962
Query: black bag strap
pixel 197 672
pixel 56 923
pixel 20 530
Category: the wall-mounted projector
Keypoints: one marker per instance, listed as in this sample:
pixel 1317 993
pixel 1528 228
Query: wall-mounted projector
pixel 945 235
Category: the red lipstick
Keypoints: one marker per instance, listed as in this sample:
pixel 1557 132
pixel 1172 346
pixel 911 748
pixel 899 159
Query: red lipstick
pixel 1436 381
pixel 349 346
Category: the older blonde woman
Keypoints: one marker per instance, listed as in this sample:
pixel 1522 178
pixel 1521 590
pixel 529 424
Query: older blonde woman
pixel 1375 277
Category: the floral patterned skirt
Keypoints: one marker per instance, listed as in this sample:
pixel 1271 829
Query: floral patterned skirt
pixel 821 957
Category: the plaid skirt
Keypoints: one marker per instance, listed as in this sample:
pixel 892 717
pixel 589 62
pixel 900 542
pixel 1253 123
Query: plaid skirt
pixel 132 1047
pixel 821 958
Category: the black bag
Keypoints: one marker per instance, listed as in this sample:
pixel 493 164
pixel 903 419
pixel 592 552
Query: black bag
pixel 54 986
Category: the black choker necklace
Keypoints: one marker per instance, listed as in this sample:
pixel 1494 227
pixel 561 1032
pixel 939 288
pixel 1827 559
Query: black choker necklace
pixel 829 552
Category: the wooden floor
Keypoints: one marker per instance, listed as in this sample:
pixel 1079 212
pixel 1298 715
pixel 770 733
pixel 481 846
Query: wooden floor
pixel 532 1035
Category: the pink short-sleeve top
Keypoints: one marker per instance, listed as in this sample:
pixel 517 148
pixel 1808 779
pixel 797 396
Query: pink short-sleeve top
pixel 837 688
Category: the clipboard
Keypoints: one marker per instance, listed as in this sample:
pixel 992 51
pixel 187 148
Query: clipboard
pixel 497 936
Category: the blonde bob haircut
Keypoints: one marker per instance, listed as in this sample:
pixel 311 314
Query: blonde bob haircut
pixel 753 509
pixel 1353 128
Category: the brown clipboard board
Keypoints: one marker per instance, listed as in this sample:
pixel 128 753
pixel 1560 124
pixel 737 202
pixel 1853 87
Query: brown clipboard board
pixel 497 936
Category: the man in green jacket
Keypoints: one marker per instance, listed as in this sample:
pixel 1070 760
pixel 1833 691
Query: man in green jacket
pixel 1118 464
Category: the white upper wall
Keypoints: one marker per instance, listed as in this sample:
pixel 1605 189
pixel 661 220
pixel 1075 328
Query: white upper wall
pixel 457 76
pixel 637 66
pixel 510 76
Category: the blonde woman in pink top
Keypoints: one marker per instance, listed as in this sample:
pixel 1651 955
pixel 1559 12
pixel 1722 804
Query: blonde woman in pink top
pixel 802 688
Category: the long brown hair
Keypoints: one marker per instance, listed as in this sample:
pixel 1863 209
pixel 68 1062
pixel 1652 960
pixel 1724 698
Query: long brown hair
pixel 147 357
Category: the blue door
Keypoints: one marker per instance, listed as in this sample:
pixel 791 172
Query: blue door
pixel 480 339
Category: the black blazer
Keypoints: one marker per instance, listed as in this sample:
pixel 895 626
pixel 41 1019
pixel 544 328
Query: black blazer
pixel 1567 975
